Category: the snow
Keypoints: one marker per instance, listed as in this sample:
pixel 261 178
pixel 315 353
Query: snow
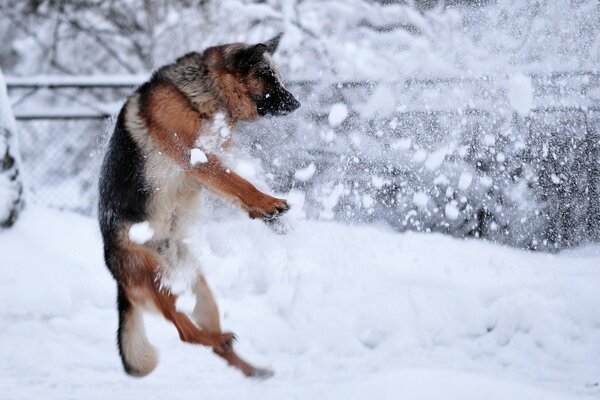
pixel 247 168
pixel 441 180
pixel 304 174
pixel 465 180
pixel 219 125
pixel 367 201
pixel 6 116
pixel 451 211
pixel 397 69
pixel 337 115
pixel 331 200
pixel 197 156
pixel 141 232
pixel 337 311
pixel 34 81
pixel 436 159
pixel 380 103
pixel 296 199
pixel 486 181
pixel 378 181
pixel 7 197
pixel 81 112
pixel 9 187
pixel 419 156
pixel 420 199
pixel 401 144
pixel 216 137
pixel 555 179
pixel 520 94
pixel 351 40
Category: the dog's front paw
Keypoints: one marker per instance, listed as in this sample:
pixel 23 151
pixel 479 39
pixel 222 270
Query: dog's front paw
pixel 269 208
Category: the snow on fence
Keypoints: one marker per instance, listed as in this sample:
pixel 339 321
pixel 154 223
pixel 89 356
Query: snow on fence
pixel 513 159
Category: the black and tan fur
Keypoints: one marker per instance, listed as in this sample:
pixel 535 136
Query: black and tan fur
pixel 147 176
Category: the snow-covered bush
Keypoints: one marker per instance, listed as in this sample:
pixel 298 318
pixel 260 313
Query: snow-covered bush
pixel 11 188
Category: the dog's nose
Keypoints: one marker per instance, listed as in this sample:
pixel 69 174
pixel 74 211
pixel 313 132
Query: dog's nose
pixel 292 104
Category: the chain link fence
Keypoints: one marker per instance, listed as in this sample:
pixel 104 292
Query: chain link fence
pixel 536 179
pixel 60 161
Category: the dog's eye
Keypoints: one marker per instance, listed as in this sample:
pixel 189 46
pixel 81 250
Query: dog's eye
pixel 261 73
pixel 264 72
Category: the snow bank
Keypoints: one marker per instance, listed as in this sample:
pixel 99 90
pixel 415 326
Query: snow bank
pixel 338 311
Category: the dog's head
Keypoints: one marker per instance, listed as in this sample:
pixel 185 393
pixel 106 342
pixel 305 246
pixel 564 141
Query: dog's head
pixel 254 80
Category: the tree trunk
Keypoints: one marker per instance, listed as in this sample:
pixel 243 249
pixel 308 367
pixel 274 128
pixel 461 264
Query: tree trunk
pixel 11 187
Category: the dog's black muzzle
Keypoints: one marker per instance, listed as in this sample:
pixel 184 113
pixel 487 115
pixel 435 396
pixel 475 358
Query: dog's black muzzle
pixel 279 103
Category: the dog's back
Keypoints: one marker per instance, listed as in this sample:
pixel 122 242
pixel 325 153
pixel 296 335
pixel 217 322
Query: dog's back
pixel 124 191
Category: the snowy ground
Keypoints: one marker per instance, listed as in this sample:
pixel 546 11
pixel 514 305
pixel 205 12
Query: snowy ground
pixel 339 312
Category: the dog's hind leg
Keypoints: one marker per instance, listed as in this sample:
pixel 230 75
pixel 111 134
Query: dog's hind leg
pixel 139 357
pixel 206 315
pixel 145 290
pixel 188 331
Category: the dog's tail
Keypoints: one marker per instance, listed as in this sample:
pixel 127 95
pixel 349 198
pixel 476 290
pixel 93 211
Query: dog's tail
pixel 138 355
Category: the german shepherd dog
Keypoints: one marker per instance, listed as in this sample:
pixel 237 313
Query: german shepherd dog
pixel 150 175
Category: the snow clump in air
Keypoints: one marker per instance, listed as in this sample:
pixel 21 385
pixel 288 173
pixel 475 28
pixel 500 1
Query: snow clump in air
pixel 380 103
pixel 420 199
pixel 520 94
pixel 338 114
pixel 465 181
pixel 451 210
pixel 304 174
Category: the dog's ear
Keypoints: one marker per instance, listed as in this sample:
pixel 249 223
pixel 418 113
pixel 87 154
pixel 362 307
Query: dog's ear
pixel 246 57
pixel 273 43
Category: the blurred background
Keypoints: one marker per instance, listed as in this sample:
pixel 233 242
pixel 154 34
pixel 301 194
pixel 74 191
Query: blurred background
pixel 470 118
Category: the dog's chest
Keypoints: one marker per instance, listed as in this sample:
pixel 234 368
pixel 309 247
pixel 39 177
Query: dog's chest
pixel 174 196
